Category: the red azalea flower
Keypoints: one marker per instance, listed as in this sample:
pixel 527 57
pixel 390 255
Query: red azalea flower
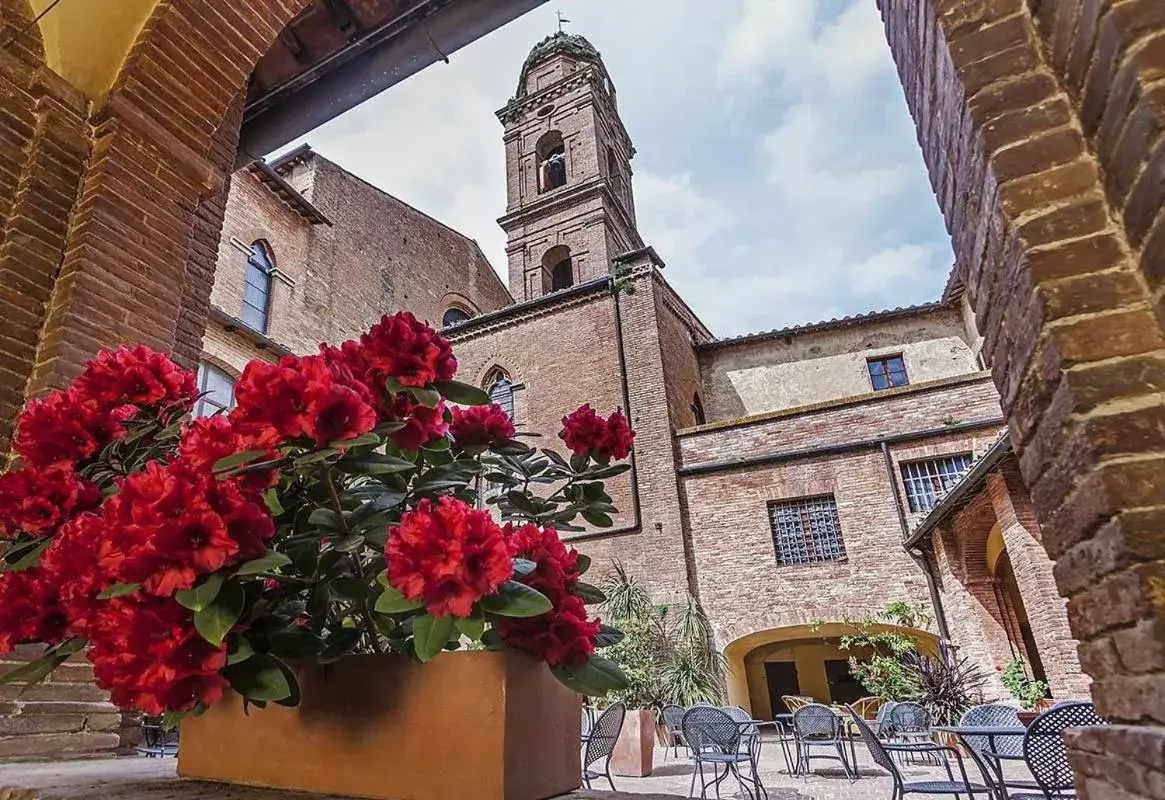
pixel 58 427
pixel 556 571
pixel 422 424
pixel 589 435
pixel 72 562
pixel 207 440
pixel 447 554
pixel 562 637
pixel 148 655
pixel 271 402
pixel 136 376
pixel 480 426
pixel 36 500
pixel 401 347
pixel 30 609
pixel 338 406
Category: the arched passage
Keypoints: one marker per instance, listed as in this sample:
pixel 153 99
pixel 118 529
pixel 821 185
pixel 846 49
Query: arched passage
pixel 798 659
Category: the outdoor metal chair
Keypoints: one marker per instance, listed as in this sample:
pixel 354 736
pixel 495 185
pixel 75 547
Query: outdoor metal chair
pixel 673 717
pixel 601 744
pixel 715 738
pixel 588 722
pixel 818 726
pixel 1046 752
pixel 910 725
pixel 882 725
pixel 882 754
pixel 988 752
pixel 157 742
pixel 750 740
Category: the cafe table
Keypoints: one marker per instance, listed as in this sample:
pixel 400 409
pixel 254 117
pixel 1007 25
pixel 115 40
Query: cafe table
pixel 994 773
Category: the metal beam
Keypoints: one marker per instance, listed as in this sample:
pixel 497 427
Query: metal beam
pixel 366 75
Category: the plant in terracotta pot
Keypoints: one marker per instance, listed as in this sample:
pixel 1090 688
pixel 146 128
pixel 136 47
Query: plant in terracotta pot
pixel 1030 692
pixel 314 547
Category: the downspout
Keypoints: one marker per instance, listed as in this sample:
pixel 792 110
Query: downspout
pixel 921 558
pixel 637 520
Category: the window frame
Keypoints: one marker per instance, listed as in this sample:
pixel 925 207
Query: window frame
pixel 204 371
pixel 465 316
pixel 568 263
pixel 262 260
pixel 815 546
pixel 887 374
pixel 921 499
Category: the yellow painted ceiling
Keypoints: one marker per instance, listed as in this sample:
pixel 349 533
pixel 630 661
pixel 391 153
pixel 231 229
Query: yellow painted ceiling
pixel 86 41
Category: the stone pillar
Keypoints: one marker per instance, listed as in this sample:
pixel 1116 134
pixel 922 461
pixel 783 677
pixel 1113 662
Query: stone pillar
pixel 1041 125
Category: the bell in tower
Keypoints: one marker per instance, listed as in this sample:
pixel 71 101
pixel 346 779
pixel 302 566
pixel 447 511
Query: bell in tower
pixel 569 204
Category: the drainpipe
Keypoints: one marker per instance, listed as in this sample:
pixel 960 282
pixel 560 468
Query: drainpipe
pixel 637 520
pixel 920 557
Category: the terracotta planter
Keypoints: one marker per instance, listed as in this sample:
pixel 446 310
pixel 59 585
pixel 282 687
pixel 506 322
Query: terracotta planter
pixel 635 750
pixel 486 725
pixel 1027 717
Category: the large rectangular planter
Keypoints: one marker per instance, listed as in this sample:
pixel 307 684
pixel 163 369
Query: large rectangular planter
pixel 635 748
pixel 477 724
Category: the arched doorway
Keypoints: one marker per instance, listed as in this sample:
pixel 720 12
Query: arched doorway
pixel 799 659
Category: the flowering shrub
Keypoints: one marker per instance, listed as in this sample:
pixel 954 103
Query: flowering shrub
pixel 334 511
pixel 1030 692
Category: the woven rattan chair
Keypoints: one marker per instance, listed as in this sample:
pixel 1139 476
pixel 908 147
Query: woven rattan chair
pixel 794 701
pixel 601 744
pixel 818 726
pixel 715 738
pixel 867 707
pixel 881 753
pixel 673 717
pixel 1046 753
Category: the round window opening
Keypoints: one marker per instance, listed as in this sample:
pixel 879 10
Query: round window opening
pixel 546 110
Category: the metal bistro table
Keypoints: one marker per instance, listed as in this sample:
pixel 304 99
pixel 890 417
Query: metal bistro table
pixel 994 772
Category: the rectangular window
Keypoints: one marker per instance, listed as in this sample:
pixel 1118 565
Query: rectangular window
pixel 927 481
pixel 217 388
pixel 806 530
pixel 887 372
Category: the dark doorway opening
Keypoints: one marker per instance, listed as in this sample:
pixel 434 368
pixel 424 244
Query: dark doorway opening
pixel 782 680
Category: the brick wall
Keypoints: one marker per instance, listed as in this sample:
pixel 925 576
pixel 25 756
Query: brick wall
pixel 1043 137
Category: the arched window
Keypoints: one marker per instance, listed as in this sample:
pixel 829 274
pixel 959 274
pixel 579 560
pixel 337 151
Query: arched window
pixel 454 316
pixel 559 266
pixel 501 391
pixel 551 154
pixel 217 389
pixel 257 287
pixel 698 410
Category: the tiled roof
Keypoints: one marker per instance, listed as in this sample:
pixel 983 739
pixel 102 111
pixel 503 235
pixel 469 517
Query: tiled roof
pixel 842 322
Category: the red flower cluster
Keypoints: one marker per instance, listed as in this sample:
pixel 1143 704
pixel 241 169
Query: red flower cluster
pixel 147 653
pixel 563 637
pixel 402 347
pixel 481 426
pixel 29 610
pixel 36 500
pixel 588 434
pixel 164 528
pixel 447 554
pixel 313 396
pixel 70 567
pixel 74 424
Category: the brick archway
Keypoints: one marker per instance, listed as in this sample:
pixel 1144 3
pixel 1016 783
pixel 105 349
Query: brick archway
pixel 1041 125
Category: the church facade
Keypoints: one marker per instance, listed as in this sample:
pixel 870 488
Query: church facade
pixel 781 478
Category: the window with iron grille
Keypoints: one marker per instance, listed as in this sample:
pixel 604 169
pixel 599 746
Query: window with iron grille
pixel 501 392
pixel 927 481
pixel 806 530
pixel 887 372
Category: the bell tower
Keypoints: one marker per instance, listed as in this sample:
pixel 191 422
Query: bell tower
pixel 569 204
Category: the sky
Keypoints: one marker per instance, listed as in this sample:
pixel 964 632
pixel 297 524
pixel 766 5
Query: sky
pixel 777 171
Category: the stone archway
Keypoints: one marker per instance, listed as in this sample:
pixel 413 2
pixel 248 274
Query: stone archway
pixel 808 655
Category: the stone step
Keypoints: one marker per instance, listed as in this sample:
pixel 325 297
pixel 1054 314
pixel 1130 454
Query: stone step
pixel 72 692
pixel 57 744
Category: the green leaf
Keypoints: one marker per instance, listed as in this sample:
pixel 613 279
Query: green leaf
pixel 425 396
pixel 608 472
pixel 596 677
pixel 374 464
pixel 430 635
pixel 438 445
pixel 523 567
pixel 271 498
pixel 608 636
pixel 36 671
pixel 119 590
pixel 202 595
pixel 292 700
pixel 26 555
pixel 356 441
pixel 515 599
pixel 261 678
pixel 391 601
pixel 597 518
pixel 339 644
pixel 215 621
pixel 240 650
pixel 296 642
pixel 511 447
pixel 472 627
pixel 269 562
pixel 351 588
pixel 462 393
pixel 325 518
pixel 492 640
pixel 584 563
pixel 588 593
pixel 237 460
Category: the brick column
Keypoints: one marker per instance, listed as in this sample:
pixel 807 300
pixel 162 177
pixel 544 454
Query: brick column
pixel 1046 610
pixel 1043 138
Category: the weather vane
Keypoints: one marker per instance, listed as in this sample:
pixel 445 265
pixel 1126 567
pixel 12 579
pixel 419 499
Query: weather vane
pixel 561 20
